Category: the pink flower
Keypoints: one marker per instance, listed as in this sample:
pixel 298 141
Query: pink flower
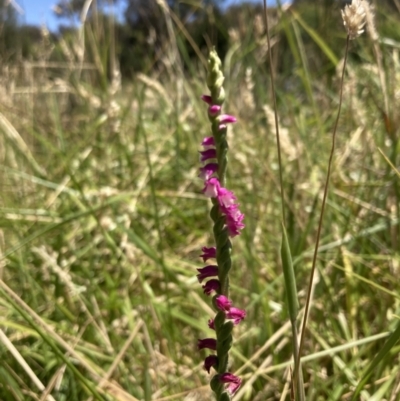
pixel 231 313
pixel 211 285
pixel 208 154
pixel 211 188
pixel 223 303
pixel 210 343
pixel 233 382
pixel 208 170
pixel 226 198
pixel 211 324
pixel 208 253
pixel 226 119
pixel 208 141
pixel 233 220
pixel 206 98
pixel 234 217
pixel 206 272
pixel 213 110
pixel 235 314
pixel 209 362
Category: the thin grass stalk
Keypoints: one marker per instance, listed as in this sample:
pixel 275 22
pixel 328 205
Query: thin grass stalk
pixel 287 265
pixel 25 366
pixel 273 91
pixel 293 306
pixel 167 275
pixel 373 34
pixel 387 347
pixel 325 195
pixel 90 388
pixel 81 35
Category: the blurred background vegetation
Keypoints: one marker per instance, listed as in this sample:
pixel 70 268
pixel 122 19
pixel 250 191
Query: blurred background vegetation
pixel 102 217
pixel 140 37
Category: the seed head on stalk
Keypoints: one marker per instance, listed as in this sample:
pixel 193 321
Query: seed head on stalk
pixel 354 18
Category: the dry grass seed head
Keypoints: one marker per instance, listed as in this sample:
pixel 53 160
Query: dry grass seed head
pixel 247 91
pixel 234 36
pixel 370 21
pixel 354 18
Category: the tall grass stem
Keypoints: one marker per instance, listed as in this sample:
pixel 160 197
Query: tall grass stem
pixel 273 92
pixel 325 195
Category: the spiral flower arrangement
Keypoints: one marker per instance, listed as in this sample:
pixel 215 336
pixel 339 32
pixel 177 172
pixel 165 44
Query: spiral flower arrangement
pixel 228 222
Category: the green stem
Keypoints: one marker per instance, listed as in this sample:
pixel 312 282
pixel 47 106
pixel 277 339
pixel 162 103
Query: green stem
pixel 321 217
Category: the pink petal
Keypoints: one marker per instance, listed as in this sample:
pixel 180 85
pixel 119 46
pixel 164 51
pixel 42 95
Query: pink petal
pixel 211 285
pixel 210 343
pixel 223 303
pixel 208 253
pixel 206 98
pixel 207 272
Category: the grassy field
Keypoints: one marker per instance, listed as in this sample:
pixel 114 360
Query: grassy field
pixel 102 220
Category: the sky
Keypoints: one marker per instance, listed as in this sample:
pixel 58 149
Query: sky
pixel 39 12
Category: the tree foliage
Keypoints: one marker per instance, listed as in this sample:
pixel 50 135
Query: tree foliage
pixel 70 8
pixel 141 38
pixel 391 4
pixel 16 40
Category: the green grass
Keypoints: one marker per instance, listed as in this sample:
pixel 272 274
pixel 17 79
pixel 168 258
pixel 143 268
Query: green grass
pixel 102 227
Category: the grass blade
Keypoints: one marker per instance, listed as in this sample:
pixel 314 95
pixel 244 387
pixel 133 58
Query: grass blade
pixel 290 280
pixel 390 343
